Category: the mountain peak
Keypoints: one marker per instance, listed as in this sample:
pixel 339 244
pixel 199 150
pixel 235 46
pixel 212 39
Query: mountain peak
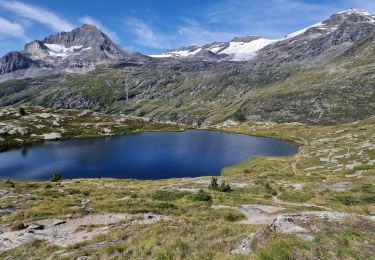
pixel 355 11
pixel 88 26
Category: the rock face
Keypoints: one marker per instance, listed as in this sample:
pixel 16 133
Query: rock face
pixel 10 129
pixel 15 61
pixel 237 49
pixel 78 51
pixel 322 41
pixel 86 43
pixel 60 232
pixel 318 75
pixel 324 38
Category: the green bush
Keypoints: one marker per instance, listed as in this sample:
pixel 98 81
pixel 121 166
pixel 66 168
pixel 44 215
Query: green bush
pixel 270 190
pixel 213 185
pixel 56 177
pixel 22 111
pixel 10 184
pixel 240 115
pixel 203 196
pixel 224 187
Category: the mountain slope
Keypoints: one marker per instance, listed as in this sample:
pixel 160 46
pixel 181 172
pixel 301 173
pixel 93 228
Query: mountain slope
pixel 78 51
pixel 320 75
pixel 238 49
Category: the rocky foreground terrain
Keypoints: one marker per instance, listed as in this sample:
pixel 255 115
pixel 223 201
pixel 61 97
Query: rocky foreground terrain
pixel 39 124
pixel 319 203
pixel 314 87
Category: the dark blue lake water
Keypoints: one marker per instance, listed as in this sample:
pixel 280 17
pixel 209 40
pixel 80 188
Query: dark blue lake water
pixel 149 155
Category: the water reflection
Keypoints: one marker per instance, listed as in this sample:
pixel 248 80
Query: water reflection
pixel 147 155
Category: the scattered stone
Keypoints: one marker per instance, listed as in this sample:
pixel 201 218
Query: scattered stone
pixel 297 186
pixel 353 164
pixel 255 214
pixel 52 136
pixel 371 162
pixel 285 224
pixel 45 115
pixel 229 123
pixel 238 184
pixel 314 168
pixel 9 209
pixel 150 218
pixel 3 192
pixel 102 244
pixel 107 130
pixel 59 222
pixel 188 189
pixel 305 237
pixel 86 112
pixel 35 227
pixel 82 257
pixel 325 215
pixel 12 130
pixel 60 232
pixel 245 246
pixel 338 187
pixel 357 174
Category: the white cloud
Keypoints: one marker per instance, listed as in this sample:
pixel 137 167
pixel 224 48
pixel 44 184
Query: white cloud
pixel 193 33
pixel 11 29
pixel 38 14
pixel 273 18
pixel 188 32
pixel 145 35
pixel 98 24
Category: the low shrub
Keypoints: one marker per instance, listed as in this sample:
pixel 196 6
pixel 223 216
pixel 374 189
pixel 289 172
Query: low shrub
pixel 203 196
pixel 22 111
pixel 224 187
pixel 56 177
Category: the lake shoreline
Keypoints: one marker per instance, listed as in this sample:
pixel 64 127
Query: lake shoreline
pixel 190 153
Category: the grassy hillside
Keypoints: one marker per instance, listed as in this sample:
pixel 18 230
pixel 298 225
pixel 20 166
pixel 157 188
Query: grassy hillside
pixel 323 199
pixel 334 91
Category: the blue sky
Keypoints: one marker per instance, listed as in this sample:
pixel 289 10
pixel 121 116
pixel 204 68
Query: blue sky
pixel 152 26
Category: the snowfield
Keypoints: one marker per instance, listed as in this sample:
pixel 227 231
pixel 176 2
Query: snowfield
pixel 243 51
pixel 61 51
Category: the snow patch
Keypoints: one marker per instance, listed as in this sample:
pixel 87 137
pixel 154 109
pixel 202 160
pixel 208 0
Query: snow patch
pixel 299 32
pixel 246 50
pixel 184 53
pixel 160 55
pixel 61 51
pixel 355 11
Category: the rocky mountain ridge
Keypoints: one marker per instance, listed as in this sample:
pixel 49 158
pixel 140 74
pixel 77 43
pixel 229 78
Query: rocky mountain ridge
pixel 248 47
pixel 320 75
pixel 78 51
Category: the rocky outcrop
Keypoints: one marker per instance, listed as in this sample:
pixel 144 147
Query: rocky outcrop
pixel 78 51
pixel 15 61
pixel 11 129
pixel 52 136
